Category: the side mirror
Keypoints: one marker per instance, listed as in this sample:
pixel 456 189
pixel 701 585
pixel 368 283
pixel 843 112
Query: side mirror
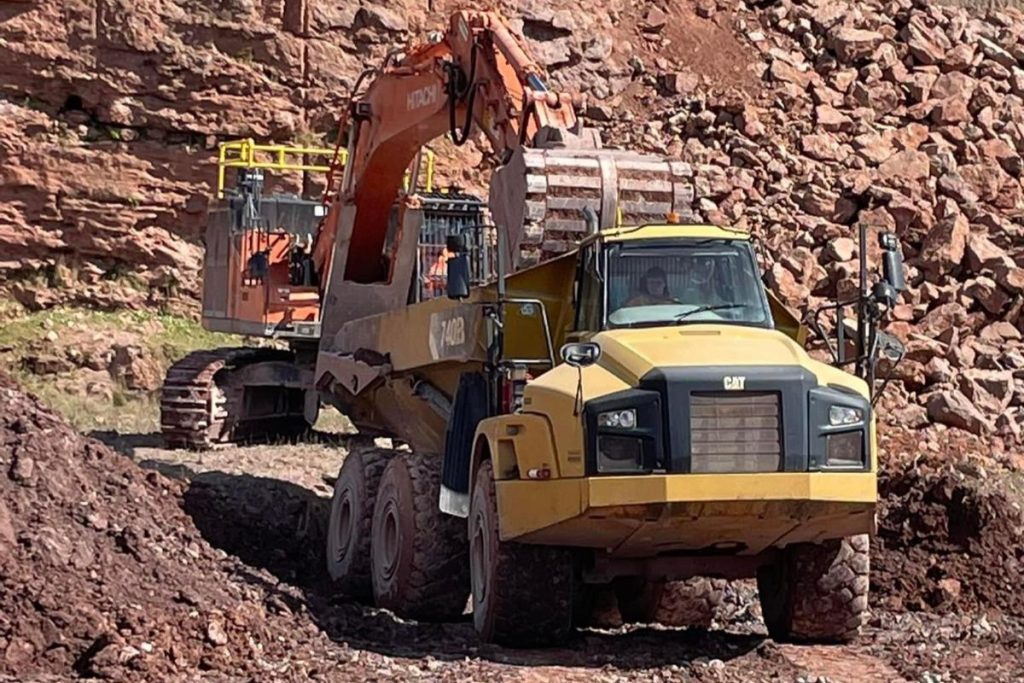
pixel 581 354
pixel 457 283
pixel 455 243
pixel 892 262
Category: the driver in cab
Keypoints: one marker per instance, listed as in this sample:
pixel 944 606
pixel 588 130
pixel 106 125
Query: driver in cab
pixel 653 289
pixel 699 288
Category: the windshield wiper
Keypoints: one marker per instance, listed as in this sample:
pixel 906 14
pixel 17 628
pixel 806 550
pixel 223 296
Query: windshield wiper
pixel 709 307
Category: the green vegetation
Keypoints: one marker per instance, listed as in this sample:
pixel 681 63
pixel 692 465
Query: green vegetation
pixel 89 398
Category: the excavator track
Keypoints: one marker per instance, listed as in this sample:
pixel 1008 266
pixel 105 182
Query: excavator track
pixel 201 407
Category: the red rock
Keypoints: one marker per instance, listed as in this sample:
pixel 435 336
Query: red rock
pixel 950 589
pixel 990 390
pixel 853 44
pixel 782 71
pixel 959 58
pixel 903 312
pixel 841 249
pixel 982 253
pixel 881 97
pixel 986 292
pixel 998 331
pixel 953 84
pixel 831 119
pixel 911 136
pixel 817 201
pixel 954 409
pixel 938 370
pixel 655 19
pixel 842 79
pixel 941 318
pixel 920 85
pixel 749 121
pixel 986 178
pixel 681 82
pixel 7 535
pixel 997 53
pixel 823 147
pixel 786 286
pixel 875 147
pixel 908 165
pixel 1000 151
pixel 951 110
pixel 928 44
pixel 1010 278
pixel 953 185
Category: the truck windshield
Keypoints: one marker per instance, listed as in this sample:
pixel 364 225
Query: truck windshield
pixel 696 281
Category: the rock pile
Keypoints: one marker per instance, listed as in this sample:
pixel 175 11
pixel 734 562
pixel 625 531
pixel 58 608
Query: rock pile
pixel 901 116
pixel 947 542
pixel 102 573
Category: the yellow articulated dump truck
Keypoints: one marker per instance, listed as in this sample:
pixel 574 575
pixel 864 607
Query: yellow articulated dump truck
pixel 593 413
pixel 681 431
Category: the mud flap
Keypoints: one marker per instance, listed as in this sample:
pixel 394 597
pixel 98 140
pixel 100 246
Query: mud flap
pixel 469 408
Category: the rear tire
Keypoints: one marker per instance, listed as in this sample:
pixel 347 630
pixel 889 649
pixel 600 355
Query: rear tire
pixel 687 603
pixel 691 603
pixel 817 592
pixel 419 558
pixel 350 524
pixel 522 594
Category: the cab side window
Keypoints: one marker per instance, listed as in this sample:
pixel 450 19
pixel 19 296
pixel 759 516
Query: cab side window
pixel 589 299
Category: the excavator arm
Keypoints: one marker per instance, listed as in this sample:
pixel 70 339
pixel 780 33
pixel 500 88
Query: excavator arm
pixel 476 73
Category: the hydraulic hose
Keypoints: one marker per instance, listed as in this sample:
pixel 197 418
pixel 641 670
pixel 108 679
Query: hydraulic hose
pixel 460 137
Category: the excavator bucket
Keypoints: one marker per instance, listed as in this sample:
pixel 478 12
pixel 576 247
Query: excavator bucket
pixel 538 197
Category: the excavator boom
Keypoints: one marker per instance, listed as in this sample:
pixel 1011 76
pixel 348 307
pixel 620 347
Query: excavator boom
pixel 474 76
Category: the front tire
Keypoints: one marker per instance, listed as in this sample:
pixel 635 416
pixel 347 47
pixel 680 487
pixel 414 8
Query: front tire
pixel 522 594
pixel 418 553
pixel 817 592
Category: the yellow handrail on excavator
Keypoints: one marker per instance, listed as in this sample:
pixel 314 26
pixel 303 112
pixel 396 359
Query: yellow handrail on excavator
pixel 243 154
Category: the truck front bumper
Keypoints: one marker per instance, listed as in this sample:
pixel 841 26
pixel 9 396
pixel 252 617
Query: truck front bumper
pixel 648 515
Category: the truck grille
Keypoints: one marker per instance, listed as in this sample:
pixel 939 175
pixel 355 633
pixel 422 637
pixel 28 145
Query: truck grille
pixel 735 432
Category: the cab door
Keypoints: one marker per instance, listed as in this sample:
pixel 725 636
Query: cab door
pixel 589 297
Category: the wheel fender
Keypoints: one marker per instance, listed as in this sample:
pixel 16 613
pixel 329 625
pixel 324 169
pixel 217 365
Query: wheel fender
pixel 516 444
pixel 468 409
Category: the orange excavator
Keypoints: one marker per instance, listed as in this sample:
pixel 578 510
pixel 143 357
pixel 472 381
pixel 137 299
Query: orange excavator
pixel 277 268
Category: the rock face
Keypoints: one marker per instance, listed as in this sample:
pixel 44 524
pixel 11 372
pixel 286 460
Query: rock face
pixel 110 112
pixel 901 117
pixel 803 123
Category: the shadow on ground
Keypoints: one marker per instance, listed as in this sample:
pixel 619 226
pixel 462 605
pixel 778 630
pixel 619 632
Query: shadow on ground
pixel 280 527
pixel 128 444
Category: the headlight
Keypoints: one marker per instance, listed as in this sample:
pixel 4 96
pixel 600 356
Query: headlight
pixel 844 415
pixel 845 449
pixel 619 454
pixel 623 419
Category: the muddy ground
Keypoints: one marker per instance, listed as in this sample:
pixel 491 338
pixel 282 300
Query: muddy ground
pixel 146 564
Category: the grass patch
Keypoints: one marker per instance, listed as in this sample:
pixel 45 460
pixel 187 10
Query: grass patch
pixel 165 338
pixel 125 412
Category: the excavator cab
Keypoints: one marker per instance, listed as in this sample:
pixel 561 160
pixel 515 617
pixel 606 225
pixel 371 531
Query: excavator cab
pixel 260 277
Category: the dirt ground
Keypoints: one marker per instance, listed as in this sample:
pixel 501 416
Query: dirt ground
pixel 147 564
